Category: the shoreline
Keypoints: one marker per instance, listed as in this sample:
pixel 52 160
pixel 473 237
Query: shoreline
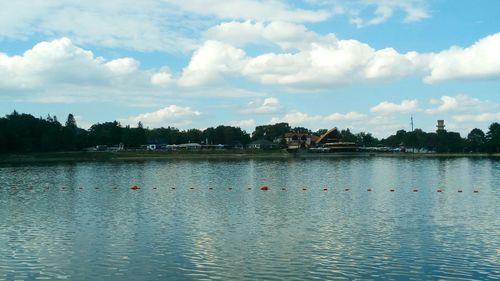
pixel 95 156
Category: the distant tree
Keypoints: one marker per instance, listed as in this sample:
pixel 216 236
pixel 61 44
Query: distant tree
pixel 366 139
pixel 169 135
pixel 108 133
pixel 193 136
pixel 396 140
pixel 476 141
pixel 208 136
pixel 134 137
pixel 416 139
pixel 69 134
pixel 320 132
pixel 347 136
pixel 226 135
pixel 25 133
pixel 493 138
pixel 449 142
pixel 271 132
pixel 301 130
pixel 70 122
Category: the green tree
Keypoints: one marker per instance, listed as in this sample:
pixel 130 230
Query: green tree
pixel 301 130
pixel 271 132
pixel 320 132
pixel 347 136
pixel 366 139
pixel 493 138
pixel 108 133
pixel 134 137
pixel 69 133
pixel 476 141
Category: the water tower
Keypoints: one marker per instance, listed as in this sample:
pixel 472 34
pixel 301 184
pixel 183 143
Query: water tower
pixel 440 125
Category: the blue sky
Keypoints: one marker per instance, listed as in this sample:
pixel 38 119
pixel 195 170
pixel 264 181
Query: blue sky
pixel 367 65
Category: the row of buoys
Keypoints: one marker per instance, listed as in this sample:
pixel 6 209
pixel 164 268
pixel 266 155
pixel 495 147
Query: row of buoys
pixel 263 188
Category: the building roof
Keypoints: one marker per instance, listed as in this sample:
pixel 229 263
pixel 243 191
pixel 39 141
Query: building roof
pixel 333 133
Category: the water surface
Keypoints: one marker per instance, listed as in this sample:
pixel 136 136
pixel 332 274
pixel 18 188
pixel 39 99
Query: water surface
pixel 81 221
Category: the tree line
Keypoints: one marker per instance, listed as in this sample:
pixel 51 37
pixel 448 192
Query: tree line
pixel 26 133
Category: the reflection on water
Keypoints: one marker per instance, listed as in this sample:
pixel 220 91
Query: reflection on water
pixel 82 221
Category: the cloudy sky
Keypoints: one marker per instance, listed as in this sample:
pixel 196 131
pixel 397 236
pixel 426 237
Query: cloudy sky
pixel 367 65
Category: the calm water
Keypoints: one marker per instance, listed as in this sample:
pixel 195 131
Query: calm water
pixel 82 221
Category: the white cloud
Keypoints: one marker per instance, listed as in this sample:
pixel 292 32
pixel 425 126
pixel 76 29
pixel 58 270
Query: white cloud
pixel 482 117
pixel 330 63
pixel 162 78
pixel 459 103
pixel 349 116
pixel 479 61
pixel 360 11
pixel 284 34
pixel 389 64
pixel 51 62
pixel 296 118
pixel 258 10
pixel 323 62
pixel 268 105
pixel 146 25
pixel 415 10
pixel 210 62
pixel 248 125
pixel 172 115
pixel 82 123
pixel 59 71
pixel 123 66
pixel 388 107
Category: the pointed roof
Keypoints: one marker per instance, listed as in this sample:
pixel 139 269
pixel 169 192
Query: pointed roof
pixel 329 132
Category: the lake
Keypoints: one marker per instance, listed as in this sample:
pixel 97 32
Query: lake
pixel 208 220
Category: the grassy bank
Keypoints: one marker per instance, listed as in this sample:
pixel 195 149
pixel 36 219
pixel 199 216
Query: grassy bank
pixel 225 154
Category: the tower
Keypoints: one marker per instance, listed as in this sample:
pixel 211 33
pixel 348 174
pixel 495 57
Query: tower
pixel 440 125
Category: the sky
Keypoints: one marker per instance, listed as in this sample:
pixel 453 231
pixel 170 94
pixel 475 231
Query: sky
pixel 367 65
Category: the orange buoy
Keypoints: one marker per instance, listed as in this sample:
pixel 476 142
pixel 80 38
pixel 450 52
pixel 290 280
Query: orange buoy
pixel 135 187
pixel 369 189
pixel 249 188
pixel 230 188
pixel 283 188
pixel 391 190
pixel 191 188
pixel 304 188
pixel 415 190
pixel 154 188
pixel 325 189
pixel 173 188
pixel 439 190
pixel 210 188
pixel 264 188
pixel 476 191
pixel 459 190
pixel 347 189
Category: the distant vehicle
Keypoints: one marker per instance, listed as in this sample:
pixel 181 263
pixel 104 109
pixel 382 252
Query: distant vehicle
pixel 101 147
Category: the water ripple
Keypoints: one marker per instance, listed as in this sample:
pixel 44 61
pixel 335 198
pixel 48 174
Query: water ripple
pixel 82 221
